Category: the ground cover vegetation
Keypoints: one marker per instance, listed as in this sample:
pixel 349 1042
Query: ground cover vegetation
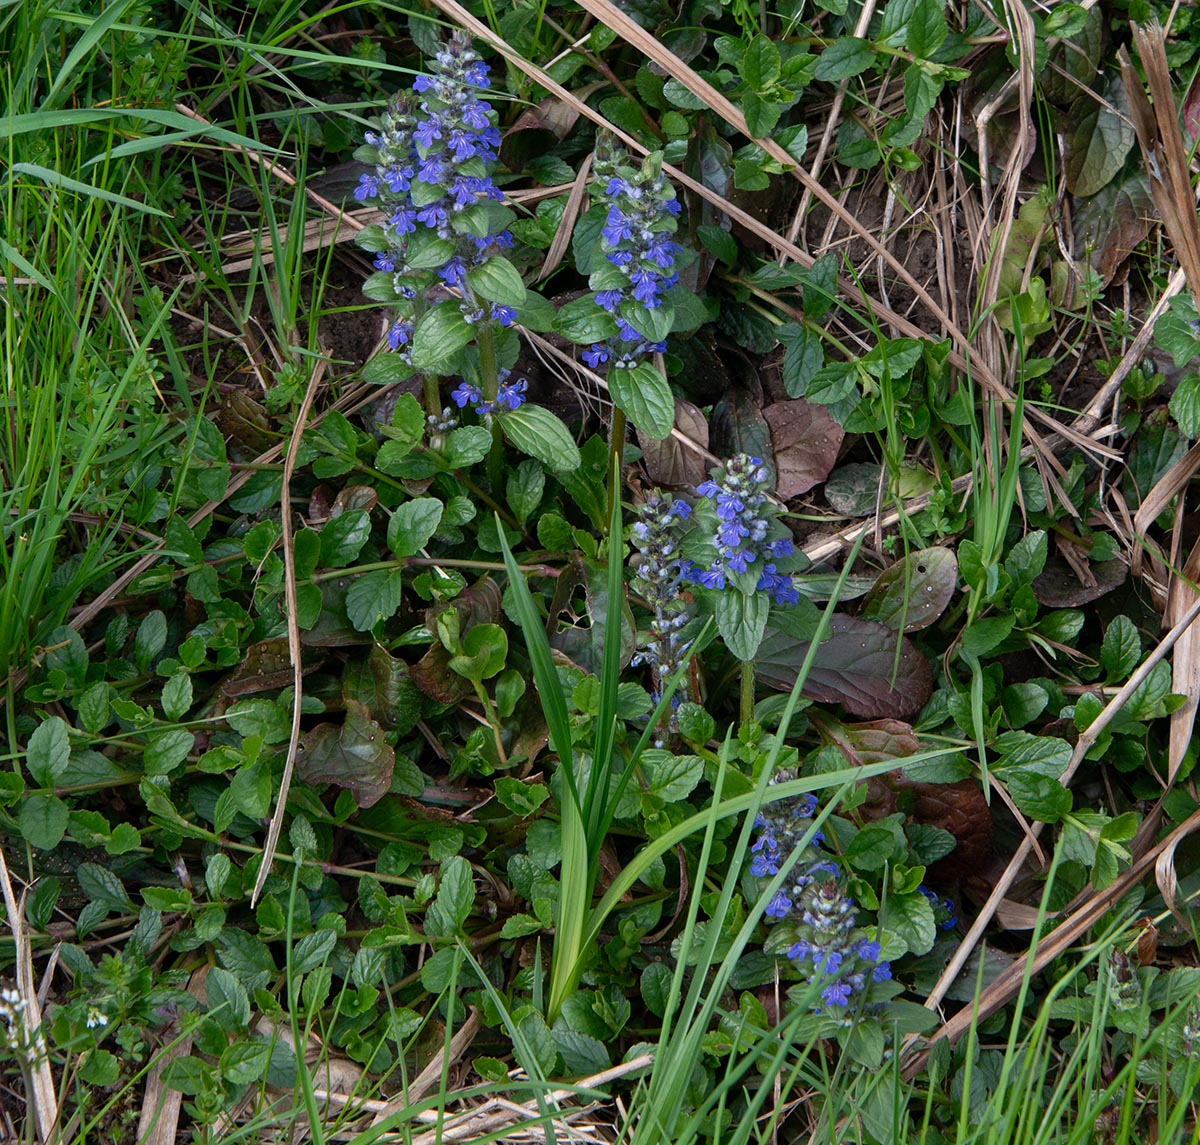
pixel 606 572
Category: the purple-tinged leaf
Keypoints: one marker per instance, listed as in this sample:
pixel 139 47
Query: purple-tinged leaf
pixel 806 441
pixel 858 666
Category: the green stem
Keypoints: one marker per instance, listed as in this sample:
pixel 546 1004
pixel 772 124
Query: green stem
pixel 747 691
pixel 433 396
pixel 489 371
pixel 616 453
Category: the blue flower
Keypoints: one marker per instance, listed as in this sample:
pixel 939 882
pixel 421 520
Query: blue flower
pixel 511 395
pixel 836 994
pixel 596 356
pixel 744 518
pixel 368 187
pixel 466 394
pixel 608 299
pixel 658 578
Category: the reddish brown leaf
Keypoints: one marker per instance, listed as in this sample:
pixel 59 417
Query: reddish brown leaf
pixel 806 440
pixel 670 462
pixel 857 667
pixel 1059 587
pixel 355 756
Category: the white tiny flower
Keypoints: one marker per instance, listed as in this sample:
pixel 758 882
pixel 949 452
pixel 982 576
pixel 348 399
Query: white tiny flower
pixel 96 1018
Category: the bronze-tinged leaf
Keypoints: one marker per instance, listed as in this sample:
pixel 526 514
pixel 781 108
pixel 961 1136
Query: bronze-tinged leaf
pixel 806 441
pixel 1059 587
pixel 1113 222
pixel 959 808
pixel 1099 139
pixel 381 682
pixel 877 740
pixel 860 666
pixel 354 497
pixel 669 462
pixel 245 425
pixel 1147 946
pixel 479 604
pixel 914 592
pixel 738 426
pixel 266 667
pixel 355 755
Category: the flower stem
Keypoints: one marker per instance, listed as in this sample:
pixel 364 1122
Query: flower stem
pixel 489 379
pixel 616 453
pixel 747 691
pixel 433 397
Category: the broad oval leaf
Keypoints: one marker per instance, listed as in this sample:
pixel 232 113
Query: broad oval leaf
pixel 1099 139
pixel 355 756
pixel 541 434
pixel 858 666
pixel 806 441
pixel 497 280
pixel 914 592
pixel 645 397
pixel 440 334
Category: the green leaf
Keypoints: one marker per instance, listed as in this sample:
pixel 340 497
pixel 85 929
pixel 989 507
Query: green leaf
pixel 645 397
pixel 1185 405
pixel 176 696
pixel 1121 650
pixel 981 637
pixel 497 280
pixel 243 1063
pixel 844 58
pixel 48 752
pixel 440 334
pixel 741 620
pixel 761 115
pixel 413 524
pixel 206 463
pixel 520 797
pixel 921 91
pixel 260 717
pixel 467 445
pixel 484 650
pixel 343 537
pixel 312 951
pixel 541 434
pixel 125 837
pixel 166 750
pixel 373 597
pixel 150 640
pixel 583 322
pixel 99 1067
pixel 719 242
pixel 671 777
pixel 228 1002
pixel 926 28
pixel 761 65
pixel 386 369
pixel 524 489
pixel 803 356
pixel 911 917
pixel 456 891
pixel 43 821
pixel 102 886
pixel 872 848
pixel 1036 795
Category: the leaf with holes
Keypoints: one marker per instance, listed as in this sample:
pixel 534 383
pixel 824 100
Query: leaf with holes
pixel 914 592
pixel 860 666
